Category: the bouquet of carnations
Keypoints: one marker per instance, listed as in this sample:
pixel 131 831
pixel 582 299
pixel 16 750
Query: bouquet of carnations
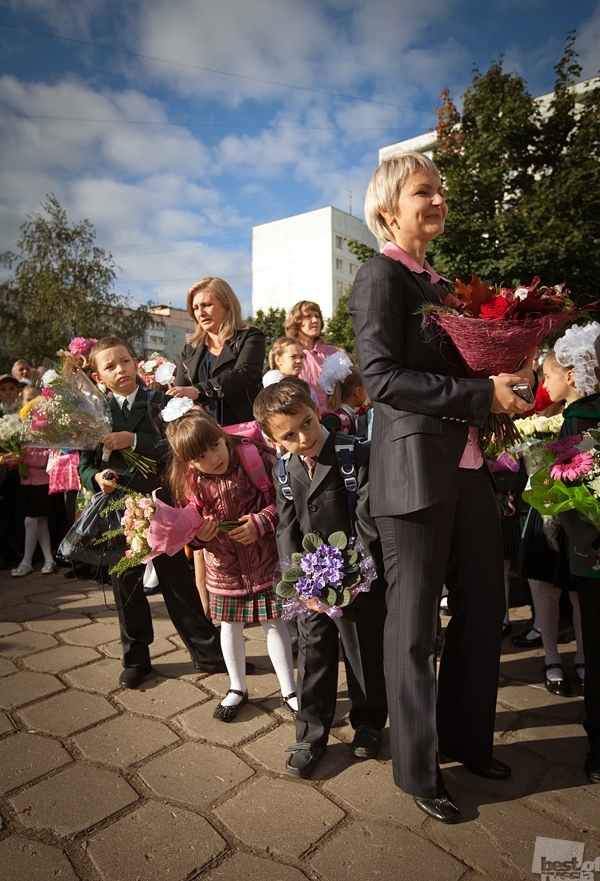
pixel 327 577
pixel 156 371
pixel 10 438
pixel 76 355
pixel 70 414
pixel 570 477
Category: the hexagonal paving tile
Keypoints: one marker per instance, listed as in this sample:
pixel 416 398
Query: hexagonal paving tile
pixel 22 688
pixel 250 868
pixel 94 634
pixel 364 850
pixel 25 860
pixel 73 800
pixel 124 741
pixel 161 697
pixel 66 713
pixel 249 721
pixel 26 612
pixel 8 627
pixel 6 667
pixel 5 724
pixel 270 751
pixel 24 642
pixel 251 819
pixel 58 623
pixel 64 657
pixel 154 843
pixel 195 773
pixel 25 757
pixel 103 676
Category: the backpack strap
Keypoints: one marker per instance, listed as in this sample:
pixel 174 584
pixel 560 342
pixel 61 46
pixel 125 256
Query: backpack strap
pixel 255 468
pixel 284 477
pixel 345 452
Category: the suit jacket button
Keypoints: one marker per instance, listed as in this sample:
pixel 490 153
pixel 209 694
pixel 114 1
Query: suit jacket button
pixel 312 508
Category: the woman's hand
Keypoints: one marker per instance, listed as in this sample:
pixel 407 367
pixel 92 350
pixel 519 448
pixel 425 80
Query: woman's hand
pixel 246 534
pixel 208 530
pixel 118 440
pixel 505 400
pixel 11 460
pixel 184 391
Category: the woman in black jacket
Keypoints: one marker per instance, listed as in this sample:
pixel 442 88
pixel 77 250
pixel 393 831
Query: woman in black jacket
pixel 221 366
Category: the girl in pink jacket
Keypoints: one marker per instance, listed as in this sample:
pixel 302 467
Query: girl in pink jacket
pixel 240 559
pixel 34 490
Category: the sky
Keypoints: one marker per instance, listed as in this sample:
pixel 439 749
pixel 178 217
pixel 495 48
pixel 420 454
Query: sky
pixel 175 126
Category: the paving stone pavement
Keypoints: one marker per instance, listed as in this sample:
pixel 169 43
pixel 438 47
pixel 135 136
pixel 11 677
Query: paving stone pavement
pixel 98 783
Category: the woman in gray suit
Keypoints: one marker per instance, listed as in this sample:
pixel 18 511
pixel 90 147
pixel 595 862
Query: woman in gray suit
pixel 430 493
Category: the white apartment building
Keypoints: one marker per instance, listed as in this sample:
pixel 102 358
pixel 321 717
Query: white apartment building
pixel 305 257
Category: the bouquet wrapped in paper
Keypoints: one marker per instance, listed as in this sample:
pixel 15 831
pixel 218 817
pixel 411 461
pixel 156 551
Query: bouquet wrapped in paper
pixel 569 478
pixel 156 372
pixel 327 577
pixel 70 414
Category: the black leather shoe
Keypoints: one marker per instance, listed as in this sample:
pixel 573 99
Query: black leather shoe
pixel 497 770
pixel 228 714
pixel 441 808
pixel 522 642
pixel 131 677
pixel 366 742
pixel 557 686
pixel 219 667
pixel 303 759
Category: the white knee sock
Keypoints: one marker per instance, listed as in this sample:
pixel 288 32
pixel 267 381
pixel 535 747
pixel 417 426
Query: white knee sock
pixel 279 648
pixel 43 537
pixel 234 654
pixel 548 615
pixel 31 539
pixel 534 587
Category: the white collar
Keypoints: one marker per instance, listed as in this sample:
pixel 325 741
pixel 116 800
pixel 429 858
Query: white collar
pixel 130 398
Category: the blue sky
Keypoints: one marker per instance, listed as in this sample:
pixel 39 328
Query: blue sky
pixel 174 126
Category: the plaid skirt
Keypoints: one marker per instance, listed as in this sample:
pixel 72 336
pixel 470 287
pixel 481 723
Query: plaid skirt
pixel 248 609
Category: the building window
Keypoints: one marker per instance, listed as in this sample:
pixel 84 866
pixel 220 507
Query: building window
pixel 339 288
pixel 339 264
pixel 353 268
pixel 339 242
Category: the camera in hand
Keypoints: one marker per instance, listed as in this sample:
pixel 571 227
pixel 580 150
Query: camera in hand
pixel 524 391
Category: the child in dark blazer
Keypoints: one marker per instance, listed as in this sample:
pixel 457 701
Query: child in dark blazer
pixel 136 425
pixel 289 417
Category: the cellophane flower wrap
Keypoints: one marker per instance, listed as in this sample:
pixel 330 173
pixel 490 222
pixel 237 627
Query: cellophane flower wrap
pixel 326 577
pixel 494 330
pixel 569 478
pixel 70 414
pixel 10 438
pixel 138 510
pixel 535 431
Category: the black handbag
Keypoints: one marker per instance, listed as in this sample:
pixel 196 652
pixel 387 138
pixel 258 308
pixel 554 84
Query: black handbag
pixel 81 541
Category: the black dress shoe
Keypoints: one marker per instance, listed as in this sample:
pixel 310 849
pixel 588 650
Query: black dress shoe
pixel 303 759
pixel 131 677
pixel 522 642
pixel 497 770
pixel 441 808
pixel 366 742
pixel 219 667
pixel 228 714
pixel 557 686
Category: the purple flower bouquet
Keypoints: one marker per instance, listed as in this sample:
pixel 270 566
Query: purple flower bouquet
pixel 326 577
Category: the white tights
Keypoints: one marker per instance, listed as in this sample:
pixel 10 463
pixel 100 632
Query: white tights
pixel 279 648
pixel 547 613
pixel 36 530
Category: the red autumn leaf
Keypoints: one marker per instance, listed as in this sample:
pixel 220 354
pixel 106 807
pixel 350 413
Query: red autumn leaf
pixel 474 295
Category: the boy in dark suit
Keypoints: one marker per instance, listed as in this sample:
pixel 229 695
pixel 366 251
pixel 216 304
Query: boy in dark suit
pixel 136 427
pixel 287 415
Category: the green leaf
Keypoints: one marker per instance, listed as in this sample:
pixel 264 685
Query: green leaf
pixel 311 541
pixel 338 540
pixel 329 597
pixel 346 597
pixel 351 580
pixel 292 574
pixel 297 559
pixel 285 589
pixel 350 558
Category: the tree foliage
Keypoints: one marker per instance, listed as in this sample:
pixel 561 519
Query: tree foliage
pixel 338 329
pixel 272 324
pixel 360 251
pixel 521 185
pixel 61 287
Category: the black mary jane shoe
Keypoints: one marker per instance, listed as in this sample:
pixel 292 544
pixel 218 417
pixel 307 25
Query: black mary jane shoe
pixel 228 714
pixel 285 702
pixel 557 686
pixel 496 771
pixel 441 808
pixel 522 641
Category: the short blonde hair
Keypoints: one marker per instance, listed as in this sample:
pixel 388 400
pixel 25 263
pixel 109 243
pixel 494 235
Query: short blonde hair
pixel 384 188
pixel 223 292
pixel 298 313
pixel 279 347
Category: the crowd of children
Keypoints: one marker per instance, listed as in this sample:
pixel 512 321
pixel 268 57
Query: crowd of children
pixel 302 489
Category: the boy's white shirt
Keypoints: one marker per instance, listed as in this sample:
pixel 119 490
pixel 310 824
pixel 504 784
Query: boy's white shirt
pixel 130 399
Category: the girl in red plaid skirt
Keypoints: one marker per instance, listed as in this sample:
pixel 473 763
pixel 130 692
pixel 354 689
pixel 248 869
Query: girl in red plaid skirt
pixel 238 537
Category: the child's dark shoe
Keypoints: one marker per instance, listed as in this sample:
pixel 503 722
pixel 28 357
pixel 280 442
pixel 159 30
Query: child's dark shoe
pixel 285 702
pixel 228 714
pixel 303 759
pixel 366 742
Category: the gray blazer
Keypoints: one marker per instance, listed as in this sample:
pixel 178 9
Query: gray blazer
pixel 423 400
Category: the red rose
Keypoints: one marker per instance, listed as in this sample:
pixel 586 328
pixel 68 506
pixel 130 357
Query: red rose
pixel 496 308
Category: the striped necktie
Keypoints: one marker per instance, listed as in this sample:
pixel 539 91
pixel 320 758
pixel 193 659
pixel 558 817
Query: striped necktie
pixel 125 409
pixel 310 464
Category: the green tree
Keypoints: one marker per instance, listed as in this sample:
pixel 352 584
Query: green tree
pixel 521 185
pixel 61 287
pixel 362 252
pixel 272 324
pixel 338 329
